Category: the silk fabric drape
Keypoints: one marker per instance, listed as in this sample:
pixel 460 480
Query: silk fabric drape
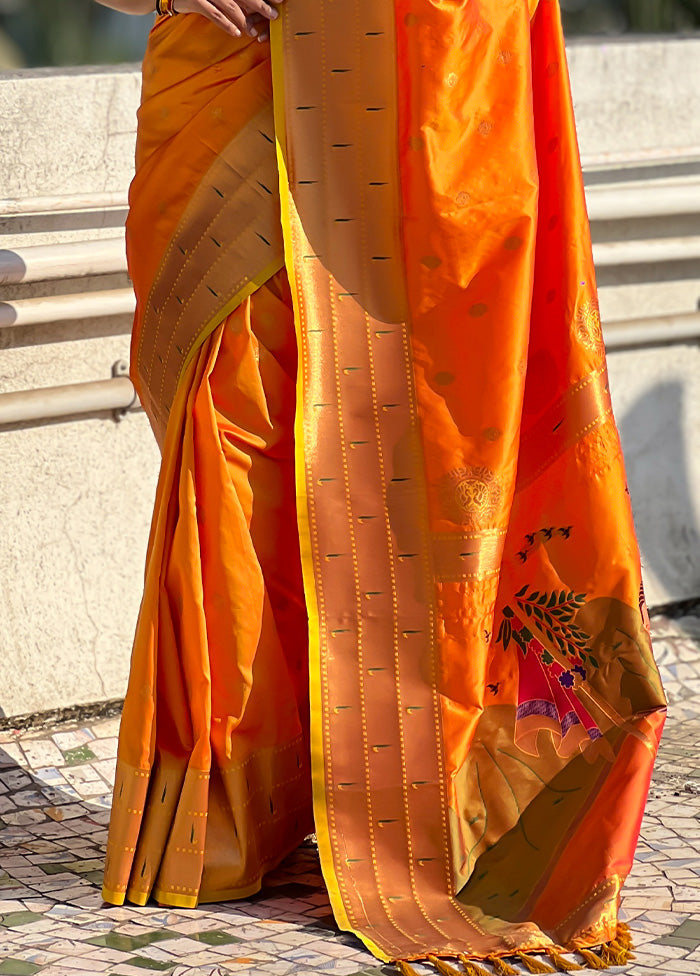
pixel 484 705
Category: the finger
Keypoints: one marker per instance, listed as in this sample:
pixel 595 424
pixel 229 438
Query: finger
pixel 232 21
pixel 234 11
pixel 260 7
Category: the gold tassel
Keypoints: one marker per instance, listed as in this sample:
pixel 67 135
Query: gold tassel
pixel 404 968
pixel 616 954
pixel 501 967
pixel 562 964
pixel 534 965
pixel 594 961
pixel 442 967
pixel 472 968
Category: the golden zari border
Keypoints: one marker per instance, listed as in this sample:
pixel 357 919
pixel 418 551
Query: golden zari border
pixel 206 271
pixel 157 849
pixel 581 409
pixel 377 762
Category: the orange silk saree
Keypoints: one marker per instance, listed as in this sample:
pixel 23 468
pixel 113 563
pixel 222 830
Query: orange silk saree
pixel 392 590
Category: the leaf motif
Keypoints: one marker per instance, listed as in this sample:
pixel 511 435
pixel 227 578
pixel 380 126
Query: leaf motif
pixel 507 634
pixel 507 612
pixel 569 596
pixel 528 609
pixel 562 596
pixel 525 634
pixel 552 600
pixel 542 600
pixel 522 592
pixel 593 661
pixel 534 595
pixel 538 612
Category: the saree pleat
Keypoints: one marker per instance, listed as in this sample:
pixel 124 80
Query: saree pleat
pixel 216 707
pixel 392 589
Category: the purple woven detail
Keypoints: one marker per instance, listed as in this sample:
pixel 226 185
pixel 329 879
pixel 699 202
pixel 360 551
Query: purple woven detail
pixel 571 718
pixel 538 706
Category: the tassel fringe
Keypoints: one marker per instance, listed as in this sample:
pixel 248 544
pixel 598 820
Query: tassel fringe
pixel 443 967
pixel 405 969
pixel 560 963
pixel 615 954
pixel 472 968
pixel 593 961
pixel 618 952
pixel 533 965
pixel 501 967
pixel 624 936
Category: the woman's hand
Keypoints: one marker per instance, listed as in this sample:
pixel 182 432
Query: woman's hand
pixel 236 17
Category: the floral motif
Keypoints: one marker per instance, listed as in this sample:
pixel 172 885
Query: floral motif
pixel 554 613
pixel 589 330
pixel 547 686
pixel 471 496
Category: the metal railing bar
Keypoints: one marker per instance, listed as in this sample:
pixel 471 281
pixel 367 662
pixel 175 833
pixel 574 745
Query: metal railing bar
pixel 656 330
pixel 652 198
pixel 614 254
pixel 63 308
pixel 63 204
pixel 47 262
pixel 23 406
pixel 118 394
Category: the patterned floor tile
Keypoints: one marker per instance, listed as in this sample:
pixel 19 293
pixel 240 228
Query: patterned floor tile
pixel 54 800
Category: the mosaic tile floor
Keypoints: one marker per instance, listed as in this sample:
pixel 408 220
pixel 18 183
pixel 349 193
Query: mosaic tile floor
pixel 54 808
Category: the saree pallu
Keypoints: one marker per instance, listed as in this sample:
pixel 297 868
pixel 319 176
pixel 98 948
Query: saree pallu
pixel 362 266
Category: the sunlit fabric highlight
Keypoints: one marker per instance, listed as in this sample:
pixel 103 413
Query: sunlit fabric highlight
pixel 393 592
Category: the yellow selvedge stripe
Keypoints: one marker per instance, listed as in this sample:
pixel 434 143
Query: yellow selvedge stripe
pixel 249 288
pixel 318 777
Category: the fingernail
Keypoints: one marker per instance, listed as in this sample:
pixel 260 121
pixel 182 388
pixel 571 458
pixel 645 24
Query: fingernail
pixel 252 31
pixel 263 37
pixel 273 14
